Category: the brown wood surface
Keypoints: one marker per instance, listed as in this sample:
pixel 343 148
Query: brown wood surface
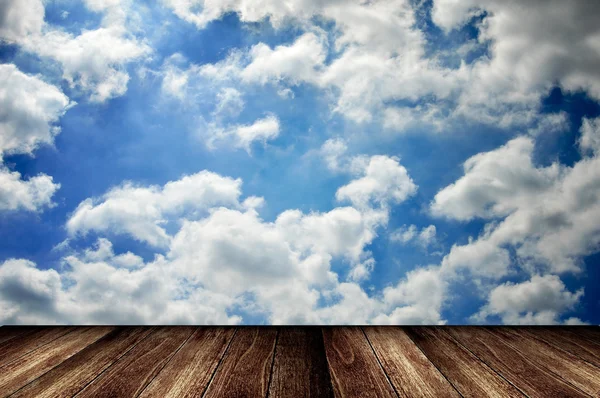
pixel 187 374
pixel 37 362
pixel 300 366
pixel 571 368
pixel 246 367
pixel 15 348
pixel 569 341
pixel 299 361
pixel 465 371
pixel 409 370
pixel 135 370
pixel 73 375
pixel 10 332
pixel 355 371
pixel 533 380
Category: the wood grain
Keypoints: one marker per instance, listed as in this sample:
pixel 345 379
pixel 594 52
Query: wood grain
pixel 21 345
pixel 300 367
pixel 10 332
pixel 569 341
pixel 409 370
pixel 135 370
pixel 470 376
pixel 355 371
pixel 246 366
pixel 571 368
pixel 187 374
pixel 533 380
pixel 68 378
pixel 37 362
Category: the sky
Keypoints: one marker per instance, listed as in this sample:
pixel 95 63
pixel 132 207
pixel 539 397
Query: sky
pixel 306 162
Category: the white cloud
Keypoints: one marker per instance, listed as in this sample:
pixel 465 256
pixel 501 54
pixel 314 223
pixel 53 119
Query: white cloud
pixel 141 211
pixel 223 257
pixel 29 109
pixel 384 181
pixel 243 136
pixel 545 213
pixel 94 61
pixel 409 233
pixel 20 18
pixel 540 300
pixel 589 141
pixel 31 195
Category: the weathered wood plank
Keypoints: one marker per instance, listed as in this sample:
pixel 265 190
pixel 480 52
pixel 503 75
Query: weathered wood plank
pixel 571 368
pixel 75 373
pixel 187 374
pixel 10 332
pixel 246 366
pixel 136 369
pixel 470 376
pixel 355 371
pixel 37 362
pixel 567 340
pixel 21 345
pixel 528 377
pixel 409 370
pixel 300 367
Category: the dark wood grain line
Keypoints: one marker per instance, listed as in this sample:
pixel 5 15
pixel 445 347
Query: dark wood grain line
pixel 273 362
pixel 189 371
pixel 34 364
pixel 410 372
pixel 10 332
pixel 524 374
pixel 300 367
pixel 571 368
pixel 135 370
pixel 74 374
pixel 568 341
pixel 250 353
pixel 470 376
pixel 354 369
pixel 15 348
pixel 591 333
pixel 380 365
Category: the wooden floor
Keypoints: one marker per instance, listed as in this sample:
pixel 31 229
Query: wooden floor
pixel 299 361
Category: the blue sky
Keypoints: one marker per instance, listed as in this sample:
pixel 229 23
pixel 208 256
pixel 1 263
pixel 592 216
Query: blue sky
pixel 335 162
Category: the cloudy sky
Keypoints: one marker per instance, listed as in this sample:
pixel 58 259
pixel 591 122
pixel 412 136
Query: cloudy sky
pixel 299 162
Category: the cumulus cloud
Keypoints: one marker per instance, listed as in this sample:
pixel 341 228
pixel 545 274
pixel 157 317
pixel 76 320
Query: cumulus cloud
pixel 384 181
pixel 141 211
pixel 243 136
pixel 538 301
pixel 545 213
pixel 29 110
pixel 589 141
pixel 224 258
pixel 32 195
pixel 93 61
pixel 410 234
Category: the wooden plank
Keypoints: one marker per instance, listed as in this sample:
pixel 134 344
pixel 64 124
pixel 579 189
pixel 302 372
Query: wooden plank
pixel 569 341
pixel 591 333
pixel 10 332
pixel 68 378
pixel 37 362
pixel 470 376
pixel 246 366
pixel 300 367
pixel 571 368
pixel 187 374
pixel 355 371
pixel 528 377
pixel 409 370
pixel 135 370
pixel 21 345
